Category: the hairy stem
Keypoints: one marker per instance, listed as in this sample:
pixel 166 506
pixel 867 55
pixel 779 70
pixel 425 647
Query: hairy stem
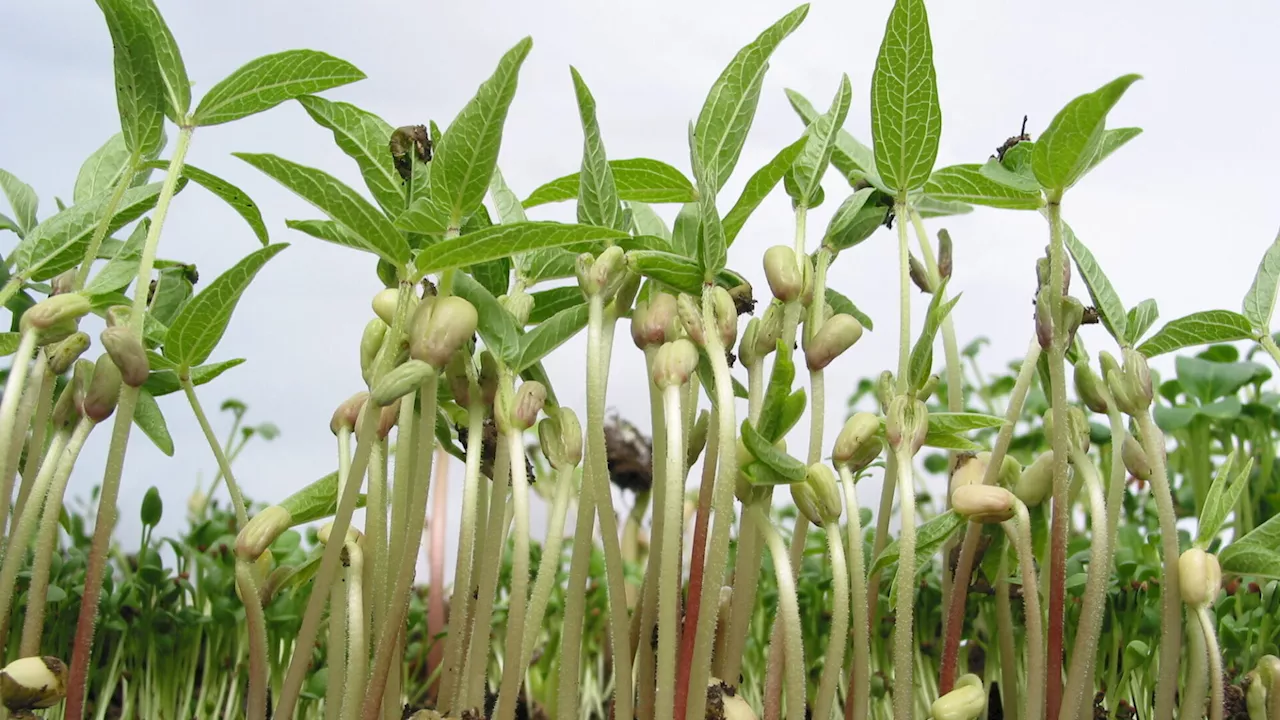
pixel 548 564
pixel 224 467
pixel 1195 689
pixel 903 637
pixel 859 695
pixel 356 647
pixel 1170 603
pixel 486 581
pixel 1019 531
pixel 1093 608
pixel 256 624
pixel 833 663
pixel 512 666
pixel 1004 628
pixel 1060 442
pixel 438 529
pixel 789 614
pixel 460 601
pixel 575 605
pixel 13 433
pixel 669 579
pixel 1207 626
pixel 746 582
pixel 646 661
pixel 39 422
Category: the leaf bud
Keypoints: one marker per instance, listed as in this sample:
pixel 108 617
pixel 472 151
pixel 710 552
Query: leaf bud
pixel 348 412
pixel 744 301
pixel 519 304
pixel 262 530
pixel 650 326
pixel 858 430
pixel 697 438
pixel 984 503
pixel 726 316
pixel 54 312
pixel 1072 316
pixel 260 569
pixel 885 390
pixel 370 342
pixel 387 301
pixel 388 416
pixel 930 386
pixel 1036 482
pixel 674 363
pixel 834 337
pixel 806 501
pixel 326 532
pixel 602 275
pixel 691 319
pixel 1107 364
pixel 1044 319
pixel 70 404
pixel 919 276
pixel 786 281
pixel 103 390
pixel 560 435
pixel 450 323
pixel 1089 387
pixel 1255 696
pixel 747 345
pixel 1042 273
pixel 746 491
pixel 127 352
pixel 944 254
pixel 63 355
pixel 526 402
pixel 1010 470
pixel 1199 577
pixel 459 384
pixel 488 378
pixel 770 330
pixel 64 283
pixel 821 482
pixel 970 469
pixel 965 702
pixel 1138 376
pixel 33 683
pixel 1135 458
pixel 400 381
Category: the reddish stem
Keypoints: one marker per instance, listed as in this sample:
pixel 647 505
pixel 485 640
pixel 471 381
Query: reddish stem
pixel 435 603
pixel 955 611
pixel 694 602
pixel 1057 598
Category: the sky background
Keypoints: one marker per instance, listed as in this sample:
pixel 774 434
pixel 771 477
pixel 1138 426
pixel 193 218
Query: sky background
pixel 1181 214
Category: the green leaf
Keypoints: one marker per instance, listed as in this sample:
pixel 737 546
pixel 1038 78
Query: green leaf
pixel 635 179
pixel 776 394
pixel 23 200
pixel 968 184
pixel 244 206
pixel 996 171
pixel 548 264
pixel 197 330
pixel 122 268
pixel 598 202
pixel 1110 309
pixel 424 216
pixel 1066 149
pixel 761 475
pixel 139 85
pixel 175 86
pixel 1112 140
pixel 150 421
pixel 506 202
pixel 497 327
pixel 549 302
pixel 1260 300
pixel 922 352
pixel 841 304
pixel 853 159
pixel 468 151
pixel 730 108
pixel 958 422
pixel 776 459
pixel 906 121
pixel 647 221
pixel 759 186
pixel 791 411
pixel 163 379
pixel 104 168
pixel 339 202
pixel 329 231
pixel 365 138
pixel 1208 326
pixel 930 536
pixel 686 235
pixel 1222 499
pixel 1207 380
pixel 811 165
pixel 58 243
pixel 265 82
pixel 930 207
pixel 8 223
pixel 551 334
pixel 849 225
pixel 314 502
pixel 9 343
pixel 713 250
pixel 1139 320
pixel 950 441
pixel 681 273
pixel 500 241
pixel 1257 553
pixel 494 275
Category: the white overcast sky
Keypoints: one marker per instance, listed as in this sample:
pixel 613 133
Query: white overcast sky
pixel 1182 214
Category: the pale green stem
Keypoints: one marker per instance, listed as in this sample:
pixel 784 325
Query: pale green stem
pixel 11 433
pixel 646 661
pixel 549 563
pixel 789 615
pixel 1171 605
pixel 35 445
pixel 47 540
pixel 10 289
pixel 256 624
pixel 575 605
pixel 722 503
pixel 670 559
pixel 860 691
pixel 833 663
pixel 904 296
pixel 1093 608
pixel 460 602
pixel 1019 531
pixel 1004 627
pixel 1270 346
pixel 357 647
pixel 100 232
pixel 417 518
pixel 1060 517
pixel 817 394
pixel 337 647
pixel 755 389
pixel 1194 692
pixel 513 665
pixel 374 552
pixel 237 499
pixel 1207 627
pixel 406 468
pixel 903 622
pixel 472 690
pixel 147 263
pixel 746 581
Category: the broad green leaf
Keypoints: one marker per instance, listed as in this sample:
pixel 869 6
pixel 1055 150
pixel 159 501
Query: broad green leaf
pixel 791 411
pixel 265 82
pixel 8 223
pixel 1208 326
pixel 58 243
pixel 22 199
pixel 930 536
pixel 551 334
pixel 504 201
pixel 1208 380
pixel 636 180
pixel 950 441
pixel 505 240
pixel 364 137
pixel 853 159
pixel 730 108
pixel 687 233
pixel 163 379
pixel 104 168
pixel 549 302
pixel 339 202
pixel 775 458
pixel 173 289
pixel 759 186
pixel 865 221
pixel 175 86
pixel 494 275
pixel 997 172
pixel 122 268
pixel 598 202
pixel 468 151
pixel 841 304
pixel 140 88
pixel 647 221
pixel 681 273
pixel 906 120
pixel 330 231
pixel 929 207
pixel 1112 140
pixel 424 216
pixel 811 165
pixel 150 421
pixel 548 264
pixel 313 502
pixel 761 475
pixel 922 351
pixel 958 422
pixel 968 184
pixel 1139 320
pixel 497 327
pixel 197 330
pixel 847 215
pixel 1222 498
pixel 1066 149
pixel 713 249
pixel 1110 309
pixel 776 394
pixel 244 206
pixel 9 343
pixel 1260 300
pixel 1257 553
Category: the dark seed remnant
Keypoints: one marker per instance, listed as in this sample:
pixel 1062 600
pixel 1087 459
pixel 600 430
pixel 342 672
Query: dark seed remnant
pixel 630 455
pixel 1008 145
pixel 410 138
